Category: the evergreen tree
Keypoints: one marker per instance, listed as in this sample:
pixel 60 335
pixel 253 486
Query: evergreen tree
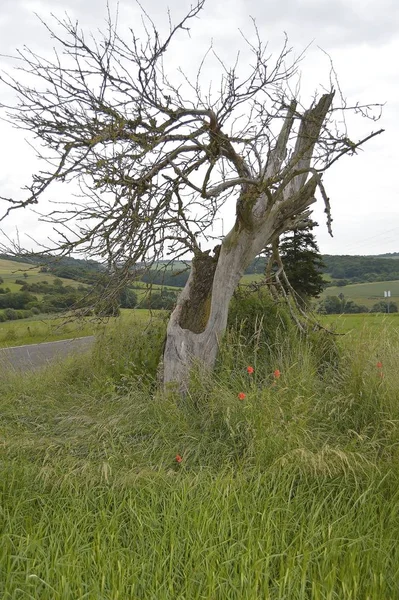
pixel 303 263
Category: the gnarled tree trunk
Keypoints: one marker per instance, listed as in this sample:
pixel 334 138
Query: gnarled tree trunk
pixel 200 317
pixel 263 212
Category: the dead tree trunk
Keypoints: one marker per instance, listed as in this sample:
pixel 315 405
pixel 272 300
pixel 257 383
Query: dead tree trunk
pixel 263 212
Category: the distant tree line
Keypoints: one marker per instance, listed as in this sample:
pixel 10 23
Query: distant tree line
pixel 337 305
pixel 44 297
pixel 343 270
pixel 359 269
pixel 297 251
pixel 39 297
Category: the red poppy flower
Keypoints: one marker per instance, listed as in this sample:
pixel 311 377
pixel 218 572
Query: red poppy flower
pixel 250 370
pixel 276 373
pixel 379 365
pixel 178 458
pixel 241 396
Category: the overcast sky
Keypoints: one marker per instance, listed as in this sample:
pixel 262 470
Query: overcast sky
pixel 361 36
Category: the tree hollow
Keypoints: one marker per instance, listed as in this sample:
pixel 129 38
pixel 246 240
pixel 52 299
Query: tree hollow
pixel 196 309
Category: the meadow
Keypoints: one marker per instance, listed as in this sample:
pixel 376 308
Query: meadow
pixel 112 488
pixel 142 290
pixel 365 293
pixel 12 270
pixel 377 324
pixel 50 328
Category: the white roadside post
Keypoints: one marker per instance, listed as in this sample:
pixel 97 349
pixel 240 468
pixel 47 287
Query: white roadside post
pixel 387 295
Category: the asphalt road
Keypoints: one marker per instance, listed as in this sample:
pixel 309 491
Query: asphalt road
pixel 34 356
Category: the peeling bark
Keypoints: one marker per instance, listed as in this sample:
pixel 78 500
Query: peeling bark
pixel 184 345
pixel 200 317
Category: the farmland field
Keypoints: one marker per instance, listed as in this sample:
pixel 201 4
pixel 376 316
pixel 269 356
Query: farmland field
pixel 11 270
pixel 373 323
pixel 142 289
pixel 47 328
pixel 365 293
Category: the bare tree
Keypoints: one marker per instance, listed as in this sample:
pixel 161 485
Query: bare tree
pixel 156 160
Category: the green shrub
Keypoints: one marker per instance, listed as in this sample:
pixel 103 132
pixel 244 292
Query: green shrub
pixel 18 300
pixel 11 314
pixel 24 314
pixel 163 300
pixel 128 298
pixel 259 320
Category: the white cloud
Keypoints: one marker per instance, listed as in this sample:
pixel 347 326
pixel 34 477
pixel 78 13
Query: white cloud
pixel 360 35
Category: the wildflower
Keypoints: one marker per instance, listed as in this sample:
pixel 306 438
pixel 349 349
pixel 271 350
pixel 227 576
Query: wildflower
pixel 276 373
pixel 379 365
pixel 241 396
pixel 250 370
pixel 178 458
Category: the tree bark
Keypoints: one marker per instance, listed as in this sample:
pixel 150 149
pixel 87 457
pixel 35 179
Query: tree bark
pixel 200 317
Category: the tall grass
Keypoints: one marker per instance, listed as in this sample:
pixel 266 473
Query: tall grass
pixel 290 493
pixel 50 328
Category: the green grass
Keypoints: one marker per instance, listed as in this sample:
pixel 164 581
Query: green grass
pixel 366 293
pixel 48 328
pixel 374 323
pixel 12 270
pixel 251 278
pixel 8 266
pixel 181 536
pixel 142 289
pixel 361 293
pixel 289 494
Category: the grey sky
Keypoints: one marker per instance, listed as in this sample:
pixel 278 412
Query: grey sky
pixel 362 37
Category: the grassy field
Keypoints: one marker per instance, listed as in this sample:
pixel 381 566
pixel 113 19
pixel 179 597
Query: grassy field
pixel 177 265
pixel 253 277
pixel 45 328
pixel 367 323
pixel 366 293
pixel 12 270
pixel 48 328
pixel 112 489
pixel 143 290
pixel 361 293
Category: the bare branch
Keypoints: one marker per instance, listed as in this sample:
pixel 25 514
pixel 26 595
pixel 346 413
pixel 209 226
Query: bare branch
pixel 152 157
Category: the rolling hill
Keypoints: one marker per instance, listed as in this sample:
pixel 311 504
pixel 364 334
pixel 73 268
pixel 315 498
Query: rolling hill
pixel 365 293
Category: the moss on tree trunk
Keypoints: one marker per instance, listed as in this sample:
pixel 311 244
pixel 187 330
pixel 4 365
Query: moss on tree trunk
pixel 196 309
